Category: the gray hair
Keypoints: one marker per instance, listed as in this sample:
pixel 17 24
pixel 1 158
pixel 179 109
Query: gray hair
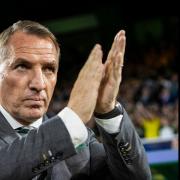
pixel 29 27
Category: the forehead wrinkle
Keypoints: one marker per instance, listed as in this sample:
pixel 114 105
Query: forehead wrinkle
pixel 29 61
pixel 29 50
pixel 38 53
pixel 27 47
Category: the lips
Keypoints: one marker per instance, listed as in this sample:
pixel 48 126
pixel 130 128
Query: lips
pixel 35 101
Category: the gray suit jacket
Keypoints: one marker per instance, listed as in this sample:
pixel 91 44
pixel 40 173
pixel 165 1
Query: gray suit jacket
pixel 49 153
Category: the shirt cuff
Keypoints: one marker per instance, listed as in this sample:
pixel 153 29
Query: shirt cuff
pixel 75 126
pixel 110 125
pixel 110 121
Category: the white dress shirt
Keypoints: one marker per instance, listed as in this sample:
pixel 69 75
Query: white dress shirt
pixel 75 126
pixel 15 124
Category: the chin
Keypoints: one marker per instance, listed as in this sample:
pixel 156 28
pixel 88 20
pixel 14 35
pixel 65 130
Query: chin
pixel 35 114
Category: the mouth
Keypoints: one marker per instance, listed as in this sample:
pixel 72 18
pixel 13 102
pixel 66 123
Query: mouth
pixel 35 102
pixel 35 98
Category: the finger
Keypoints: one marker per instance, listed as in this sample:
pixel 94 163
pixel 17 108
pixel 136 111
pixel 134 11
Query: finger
pixel 117 45
pixel 117 67
pixel 122 42
pixel 108 71
pixel 114 44
pixel 93 68
pixel 120 49
pixel 95 55
pixel 95 64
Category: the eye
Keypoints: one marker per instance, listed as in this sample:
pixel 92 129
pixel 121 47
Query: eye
pixel 21 67
pixel 50 69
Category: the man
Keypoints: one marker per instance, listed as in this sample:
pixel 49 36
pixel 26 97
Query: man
pixel 62 148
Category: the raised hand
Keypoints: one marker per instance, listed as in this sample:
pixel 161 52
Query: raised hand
pixel 113 74
pixel 85 91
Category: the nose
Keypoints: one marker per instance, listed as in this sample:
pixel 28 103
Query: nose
pixel 37 82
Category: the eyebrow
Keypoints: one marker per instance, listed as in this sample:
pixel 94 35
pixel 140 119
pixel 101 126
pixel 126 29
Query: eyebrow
pixel 26 61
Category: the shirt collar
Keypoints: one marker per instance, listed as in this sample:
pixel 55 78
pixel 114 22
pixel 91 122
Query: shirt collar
pixel 15 124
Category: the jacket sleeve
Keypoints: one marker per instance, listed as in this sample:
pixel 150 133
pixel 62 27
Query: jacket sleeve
pixel 26 157
pixel 124 153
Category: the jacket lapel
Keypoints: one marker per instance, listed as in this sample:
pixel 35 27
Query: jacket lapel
pixel 7 133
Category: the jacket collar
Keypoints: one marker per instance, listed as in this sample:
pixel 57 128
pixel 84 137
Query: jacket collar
pixel 7 133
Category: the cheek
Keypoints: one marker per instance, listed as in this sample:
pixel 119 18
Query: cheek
pixel 50 87
pixel 11 88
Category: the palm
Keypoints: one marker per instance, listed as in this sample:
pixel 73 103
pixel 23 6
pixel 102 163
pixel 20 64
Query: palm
pixel 110 84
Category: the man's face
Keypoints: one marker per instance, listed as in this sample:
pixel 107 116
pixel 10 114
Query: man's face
pixel 29 78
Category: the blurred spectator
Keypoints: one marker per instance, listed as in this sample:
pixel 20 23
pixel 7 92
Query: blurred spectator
pixel 166 131
pixel 150 121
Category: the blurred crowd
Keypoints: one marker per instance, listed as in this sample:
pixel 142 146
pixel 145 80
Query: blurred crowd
pixel 152 104
pixel 149 93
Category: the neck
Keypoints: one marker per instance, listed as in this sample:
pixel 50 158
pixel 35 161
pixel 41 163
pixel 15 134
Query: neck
pixel 25 123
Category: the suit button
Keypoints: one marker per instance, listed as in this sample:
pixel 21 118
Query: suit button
pixel 46 163
pixel 122 149
pixel 129 161
pixel 121 144
pixel 52 159
pixel 124 153
pixel 35 170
